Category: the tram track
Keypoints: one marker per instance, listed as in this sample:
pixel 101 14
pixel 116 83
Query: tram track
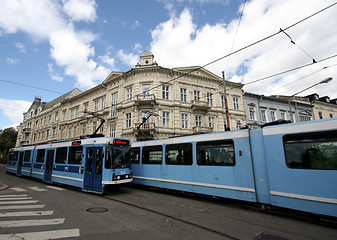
pixel 171 217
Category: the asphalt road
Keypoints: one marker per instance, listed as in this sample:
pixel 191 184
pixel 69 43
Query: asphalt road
pixel 132 213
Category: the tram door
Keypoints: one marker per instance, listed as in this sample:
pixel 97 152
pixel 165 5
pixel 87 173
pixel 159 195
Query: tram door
pixel 20 162
pixel 49 165
pixel 93 170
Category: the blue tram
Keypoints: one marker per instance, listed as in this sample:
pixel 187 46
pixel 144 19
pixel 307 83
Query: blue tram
pixel 292 165
pixel 90 164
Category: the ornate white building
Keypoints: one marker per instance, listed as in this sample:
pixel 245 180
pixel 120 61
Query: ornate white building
pixel 148 101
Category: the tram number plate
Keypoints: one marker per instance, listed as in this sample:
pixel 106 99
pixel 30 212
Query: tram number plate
pixel 122 172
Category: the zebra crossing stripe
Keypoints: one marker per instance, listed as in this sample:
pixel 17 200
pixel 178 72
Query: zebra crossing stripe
pixel 31 222
pixel 19 189
pixel 56 188
pixel 19 202
pixel 66 233
pixel 13 198
pixel 21 207
pixel 38 189
pixel 25 214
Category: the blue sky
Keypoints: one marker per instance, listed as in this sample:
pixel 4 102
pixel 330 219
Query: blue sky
pixel 57 45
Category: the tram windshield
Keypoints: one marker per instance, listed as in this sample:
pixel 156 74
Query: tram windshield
pixel 117 156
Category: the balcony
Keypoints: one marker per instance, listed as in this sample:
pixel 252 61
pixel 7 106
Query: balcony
pixel 200 130
pixel 200 105
pixel 145 99
pixel 26 130
pixel 146 127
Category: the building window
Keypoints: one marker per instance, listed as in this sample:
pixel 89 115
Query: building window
pixel 165 91
pixel 304 118
pixel 103 102
pixel 86 108
pixel 54 132
pixel 84 127
pixel 69 133
pixel 71 114
pixel 263 115
pixel 166 119
pixel 223 101
pixel 94 126
pixel 283 116
pixel 75 130
pixel 77 112
pixel 128 120
pixel 112 130
pixel 331 115
pixel 238 124
pixel 146 91
pixel 114 99
pixel 184 120
pixel 236 103
pixel 211 122
pixel 210 99
pixel 196 95
pixel 251 113
pixel 96 106
pixel 101 129
pixel 198 121
pixel 183 94
pixel 320 115
pixel 272 115
pixel 129 94
pixel 47 134
pixel 64 115
pixel 56 116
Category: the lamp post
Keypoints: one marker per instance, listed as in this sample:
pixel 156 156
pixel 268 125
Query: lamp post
pixel 326 80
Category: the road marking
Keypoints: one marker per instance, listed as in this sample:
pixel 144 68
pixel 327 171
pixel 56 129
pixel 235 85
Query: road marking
pixel 21 207
pixel 18 189
pixel 25 214
pixel 12 198
pixel 5 196
pixel 38 189
pixel 30 223
pixel 67 233
pixel 56 188
pixel 19 202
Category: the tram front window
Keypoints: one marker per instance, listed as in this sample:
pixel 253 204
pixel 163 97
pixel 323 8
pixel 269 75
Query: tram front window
pixel 117 157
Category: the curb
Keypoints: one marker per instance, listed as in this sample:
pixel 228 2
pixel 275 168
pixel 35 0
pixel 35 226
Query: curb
pixel 3 186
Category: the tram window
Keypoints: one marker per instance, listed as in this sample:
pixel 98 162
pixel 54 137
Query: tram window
pixel 21 157
pixel 135 155
pixel 317 150
pixel 75 155
pixel 152 155
pixel 11 156
pixel 179 154
pixel 61 155
pixel 216 153
pixel 27 156
pixel 40 155
pixel 15 156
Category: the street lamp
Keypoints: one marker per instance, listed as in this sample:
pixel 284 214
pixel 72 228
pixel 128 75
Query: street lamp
pixel 289 99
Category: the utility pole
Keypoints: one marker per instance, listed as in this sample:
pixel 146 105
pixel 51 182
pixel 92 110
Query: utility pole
pixel 227 127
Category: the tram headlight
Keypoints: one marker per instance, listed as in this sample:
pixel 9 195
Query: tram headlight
pixel 118 177
pixel 126 176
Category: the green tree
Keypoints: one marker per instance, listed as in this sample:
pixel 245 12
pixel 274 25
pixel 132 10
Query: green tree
pixel 7 141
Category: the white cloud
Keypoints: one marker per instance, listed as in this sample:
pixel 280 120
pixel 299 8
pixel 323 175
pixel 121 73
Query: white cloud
pixel 107 59
pixel 181 42
pixel 70 49
pixel 128 58
pixel 52 74
pixel 11 61
pixel 14 109
pixel 135 25
pixel 80 10
pixel 21 47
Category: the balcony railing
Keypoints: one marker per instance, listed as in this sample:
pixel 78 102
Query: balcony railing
pixel 143 99
pixel 145 127
pixel 201 129
pixel 200 105
pixel 26 130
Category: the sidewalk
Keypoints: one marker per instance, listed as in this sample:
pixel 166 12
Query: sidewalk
pixel 3 186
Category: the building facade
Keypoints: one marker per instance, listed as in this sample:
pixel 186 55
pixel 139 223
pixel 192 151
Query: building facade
pixel 262 109
pixel 147 102
pixel 323 107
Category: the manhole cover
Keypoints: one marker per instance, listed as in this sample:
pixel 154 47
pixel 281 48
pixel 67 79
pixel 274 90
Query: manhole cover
pixel 97 210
